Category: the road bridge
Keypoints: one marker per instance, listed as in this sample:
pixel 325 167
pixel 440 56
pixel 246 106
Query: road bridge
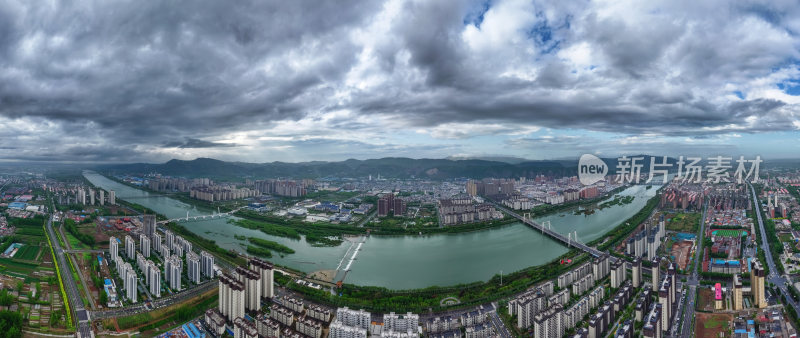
pixel 200 217
pixel 568 240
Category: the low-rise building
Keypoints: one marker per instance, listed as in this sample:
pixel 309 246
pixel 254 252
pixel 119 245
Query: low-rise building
pixel 309 327
pixel 243 328
pixel 215 321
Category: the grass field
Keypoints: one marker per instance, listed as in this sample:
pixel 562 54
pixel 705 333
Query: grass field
pixel 20 269
pixel 684 222
pixel 75 243
pixel 29 235
pixel 728 233
pixel 785 237
pixel 27 252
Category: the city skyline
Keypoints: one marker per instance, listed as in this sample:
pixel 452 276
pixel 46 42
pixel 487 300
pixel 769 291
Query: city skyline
pixel 146 82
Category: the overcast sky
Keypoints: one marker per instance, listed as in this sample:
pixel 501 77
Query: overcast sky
pixel 260 81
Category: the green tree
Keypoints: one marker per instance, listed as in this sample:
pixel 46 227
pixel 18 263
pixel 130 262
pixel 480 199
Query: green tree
pixel 10 324
pixel 55 317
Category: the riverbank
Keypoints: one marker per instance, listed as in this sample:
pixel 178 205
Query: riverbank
pixel 179 196
pixel 319 233
pixel 321 237
pixel 422 260
pixel 549 209
pixel 383 300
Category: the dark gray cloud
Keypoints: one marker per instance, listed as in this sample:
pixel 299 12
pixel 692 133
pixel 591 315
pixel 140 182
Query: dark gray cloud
pixel 117 80
pixel 196 143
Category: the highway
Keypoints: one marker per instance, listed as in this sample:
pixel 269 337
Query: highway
pixel 773 277
pixel 70 287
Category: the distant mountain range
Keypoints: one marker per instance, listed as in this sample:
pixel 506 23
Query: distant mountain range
pixel 390 167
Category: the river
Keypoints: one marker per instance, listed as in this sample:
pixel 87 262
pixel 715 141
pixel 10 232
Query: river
pixel 407 262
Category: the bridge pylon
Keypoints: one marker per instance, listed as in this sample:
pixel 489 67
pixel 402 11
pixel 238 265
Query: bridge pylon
pixel 546 224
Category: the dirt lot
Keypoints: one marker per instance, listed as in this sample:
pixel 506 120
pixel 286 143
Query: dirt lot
pixel 682 253
pixel 709 325
pixel 705 299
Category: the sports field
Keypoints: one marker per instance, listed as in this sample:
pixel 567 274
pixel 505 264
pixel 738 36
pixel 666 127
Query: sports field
pixel 729 233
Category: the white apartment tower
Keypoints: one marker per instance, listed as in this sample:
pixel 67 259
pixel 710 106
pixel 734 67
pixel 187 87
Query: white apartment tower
pixel 113 248
pixel 130 247
pixel 207 265
pixel 193 267
pixel 154 280
pixel 156 241
pixel 144 245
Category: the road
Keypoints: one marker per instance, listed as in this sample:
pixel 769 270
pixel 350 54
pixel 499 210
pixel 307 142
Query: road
pixel 500 328
pixel 692 282
pixel 70 287
pixel 69 251
pixel 141 307
pixel 83 281
pixel 367 219
pixel 773 277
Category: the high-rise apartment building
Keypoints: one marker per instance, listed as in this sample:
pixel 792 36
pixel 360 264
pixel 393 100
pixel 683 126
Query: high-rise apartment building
pixel 154 280
pixel 170 239
pixel 113 248
pixel 738 299
pixel 149 225
pixel 265 269
pixel 548 323
pixel 207 264
pixel 173 269
pixel 193 267
pixel 252 287
pixel 156 241
pixel 144 245
pixel 757 284
pixel 388 203
pixel 130 247
pixel 231 297
pixel 636 269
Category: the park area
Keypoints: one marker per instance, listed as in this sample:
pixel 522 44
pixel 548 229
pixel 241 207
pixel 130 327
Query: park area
pixel 683 222
pixel 708 325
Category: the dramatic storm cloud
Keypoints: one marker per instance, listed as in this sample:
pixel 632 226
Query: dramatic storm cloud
pixel 102 81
